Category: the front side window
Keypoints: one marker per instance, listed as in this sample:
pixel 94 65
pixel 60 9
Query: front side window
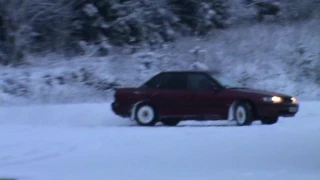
pixel 200 82
pixel 226 82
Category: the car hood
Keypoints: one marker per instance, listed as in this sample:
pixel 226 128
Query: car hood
pixel 259 92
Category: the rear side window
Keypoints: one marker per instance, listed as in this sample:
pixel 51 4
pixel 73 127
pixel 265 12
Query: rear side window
pixel 155 81
pixel 174 81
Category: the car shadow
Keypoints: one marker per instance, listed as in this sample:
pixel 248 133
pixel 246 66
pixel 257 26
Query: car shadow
pixel 199 124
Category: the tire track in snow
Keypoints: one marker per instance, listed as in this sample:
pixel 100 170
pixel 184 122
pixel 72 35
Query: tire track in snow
pixel 11 155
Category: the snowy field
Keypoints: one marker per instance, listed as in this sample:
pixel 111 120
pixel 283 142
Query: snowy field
pixel 88 142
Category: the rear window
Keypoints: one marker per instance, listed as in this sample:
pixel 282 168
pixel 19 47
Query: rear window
pixel 170 81
pixel 155 81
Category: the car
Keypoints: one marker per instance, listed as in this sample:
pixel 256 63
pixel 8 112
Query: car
pixel 174 96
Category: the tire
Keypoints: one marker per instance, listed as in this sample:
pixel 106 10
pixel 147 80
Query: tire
pixel 146 115
pixel 269 120
pixel 243 114
pixel 170 122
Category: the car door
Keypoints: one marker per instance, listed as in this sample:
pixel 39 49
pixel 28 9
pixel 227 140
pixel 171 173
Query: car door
pixel 204 95
pixel 172 97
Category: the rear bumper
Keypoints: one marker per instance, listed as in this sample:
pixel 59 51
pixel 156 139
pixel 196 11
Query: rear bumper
pixel 281 110
pixel 120 110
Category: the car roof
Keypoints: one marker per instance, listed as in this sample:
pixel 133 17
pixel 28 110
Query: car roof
pixel 188 71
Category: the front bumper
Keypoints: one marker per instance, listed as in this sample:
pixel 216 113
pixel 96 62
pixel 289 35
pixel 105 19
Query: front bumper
pixel 288 110
pixel 282 110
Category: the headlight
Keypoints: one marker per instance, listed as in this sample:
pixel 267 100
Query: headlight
pixel 273 99
pixel 294 100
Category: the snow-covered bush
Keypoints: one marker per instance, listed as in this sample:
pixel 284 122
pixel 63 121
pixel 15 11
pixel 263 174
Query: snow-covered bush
pixel 57 84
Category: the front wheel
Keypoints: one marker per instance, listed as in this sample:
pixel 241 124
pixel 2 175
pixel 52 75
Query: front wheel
pixel 269 120
pixel 243 114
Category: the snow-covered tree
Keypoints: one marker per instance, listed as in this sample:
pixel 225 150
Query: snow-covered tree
pixel 12 32
pixel 297 9
pixel 26 25
pixel 286 9
pixel 96 26
pixel 200 16
pixel 124 22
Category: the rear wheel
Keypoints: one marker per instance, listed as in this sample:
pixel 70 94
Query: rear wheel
pixel 243 114
pixel 269 120
pixel 170 122
pixel 145 115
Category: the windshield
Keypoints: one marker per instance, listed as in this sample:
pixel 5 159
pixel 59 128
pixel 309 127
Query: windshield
pixel 228 83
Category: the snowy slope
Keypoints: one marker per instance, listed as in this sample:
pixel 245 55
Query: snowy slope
pixel 86 142
pixel 275 57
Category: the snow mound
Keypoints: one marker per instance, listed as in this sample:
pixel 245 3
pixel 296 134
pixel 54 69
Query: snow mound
pixel 199 66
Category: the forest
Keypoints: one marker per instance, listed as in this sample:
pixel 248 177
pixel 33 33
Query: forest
pixel 70 26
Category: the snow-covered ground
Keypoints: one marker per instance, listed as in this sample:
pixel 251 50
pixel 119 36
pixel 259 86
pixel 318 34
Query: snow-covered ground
pixel 88 142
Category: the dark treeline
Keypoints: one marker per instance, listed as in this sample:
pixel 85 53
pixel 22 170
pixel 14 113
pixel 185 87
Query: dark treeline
pixel 69 26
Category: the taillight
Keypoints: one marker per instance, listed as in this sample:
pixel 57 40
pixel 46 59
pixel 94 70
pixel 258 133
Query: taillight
pixel 115 95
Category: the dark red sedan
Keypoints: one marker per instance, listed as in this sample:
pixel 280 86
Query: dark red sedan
pixel 174 96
